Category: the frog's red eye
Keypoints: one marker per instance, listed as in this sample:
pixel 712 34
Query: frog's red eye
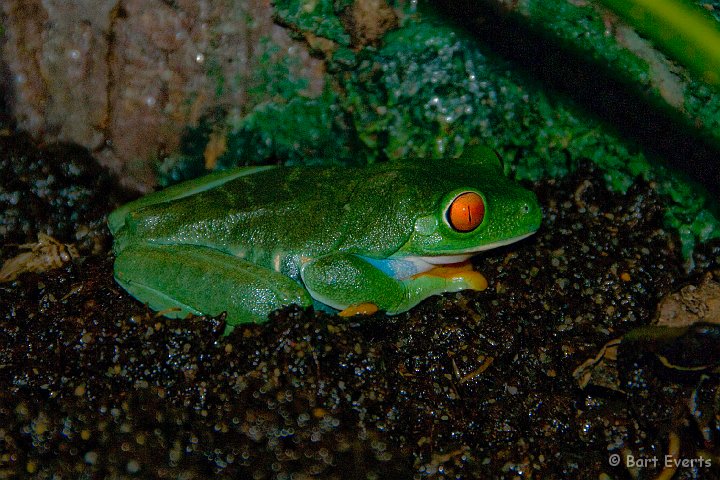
pixel 466 212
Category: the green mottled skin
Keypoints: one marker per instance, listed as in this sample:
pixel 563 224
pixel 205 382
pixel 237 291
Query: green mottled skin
pixel 250 240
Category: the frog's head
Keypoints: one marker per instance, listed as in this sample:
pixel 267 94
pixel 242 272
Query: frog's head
pixel 475 208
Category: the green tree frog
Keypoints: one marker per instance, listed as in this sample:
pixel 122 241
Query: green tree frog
pixel 254 239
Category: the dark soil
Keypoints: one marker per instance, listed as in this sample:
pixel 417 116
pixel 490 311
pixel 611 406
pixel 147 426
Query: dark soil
pixel 56 189
pixel 468 385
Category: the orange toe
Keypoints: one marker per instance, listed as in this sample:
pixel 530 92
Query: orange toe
pixel 359 309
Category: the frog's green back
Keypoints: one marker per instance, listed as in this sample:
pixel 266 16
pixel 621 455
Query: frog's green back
pixel 285 209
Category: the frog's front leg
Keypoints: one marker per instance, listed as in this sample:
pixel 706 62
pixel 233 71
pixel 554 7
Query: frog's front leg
pixel 193 279
pixel 344 280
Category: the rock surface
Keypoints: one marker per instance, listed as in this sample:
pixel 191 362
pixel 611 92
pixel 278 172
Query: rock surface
pixel 124 78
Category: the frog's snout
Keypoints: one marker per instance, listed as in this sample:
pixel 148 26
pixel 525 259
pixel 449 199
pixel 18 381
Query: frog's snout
pixel 530 209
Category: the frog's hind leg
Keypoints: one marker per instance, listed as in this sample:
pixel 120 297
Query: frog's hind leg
pixel 192 279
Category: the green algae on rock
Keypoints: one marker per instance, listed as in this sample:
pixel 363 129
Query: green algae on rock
pixel 321 17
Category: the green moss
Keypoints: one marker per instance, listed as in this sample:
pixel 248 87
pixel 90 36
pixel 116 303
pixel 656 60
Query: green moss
pixel 415 97
pixel 430 90
pixel 275 77
pixel 319 17
pixel 689 211
pixel 304 130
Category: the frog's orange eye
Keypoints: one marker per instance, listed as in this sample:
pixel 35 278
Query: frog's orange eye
pixel 466 212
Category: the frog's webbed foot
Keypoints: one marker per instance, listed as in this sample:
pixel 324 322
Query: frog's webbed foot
pixel 186 279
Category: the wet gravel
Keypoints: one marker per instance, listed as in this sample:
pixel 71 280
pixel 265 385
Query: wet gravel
pixel 467 385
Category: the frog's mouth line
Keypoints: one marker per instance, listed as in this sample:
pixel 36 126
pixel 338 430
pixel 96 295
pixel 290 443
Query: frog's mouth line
pixel 443 259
